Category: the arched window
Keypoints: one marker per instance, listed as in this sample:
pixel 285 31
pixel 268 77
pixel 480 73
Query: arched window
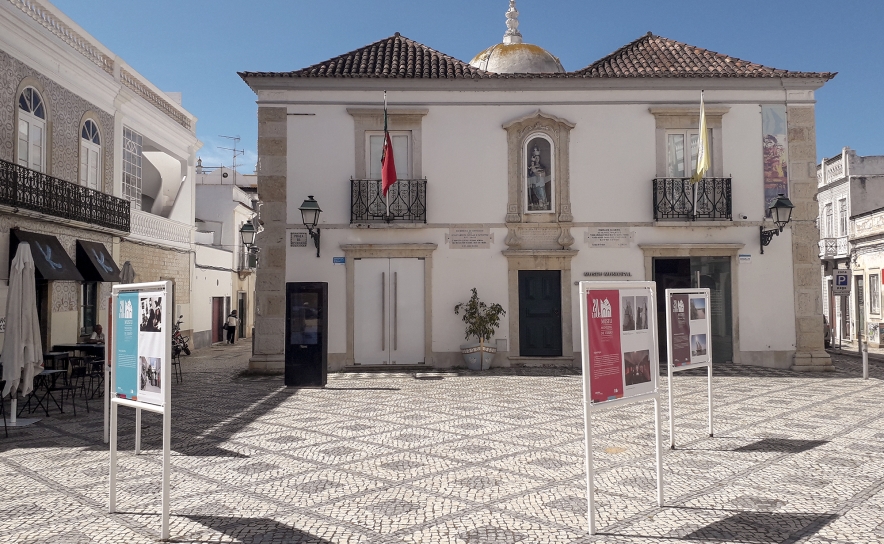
pixel 539 174
pixel 90 155
pixel 31 129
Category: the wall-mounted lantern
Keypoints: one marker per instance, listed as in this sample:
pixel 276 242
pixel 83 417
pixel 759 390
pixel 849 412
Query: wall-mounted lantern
pixel 781 213
pixel 310 216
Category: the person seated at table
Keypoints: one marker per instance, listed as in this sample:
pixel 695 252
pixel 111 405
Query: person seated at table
pixel 97 335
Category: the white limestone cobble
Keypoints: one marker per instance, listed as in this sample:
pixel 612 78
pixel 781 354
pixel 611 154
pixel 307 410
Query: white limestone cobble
pixel 467 458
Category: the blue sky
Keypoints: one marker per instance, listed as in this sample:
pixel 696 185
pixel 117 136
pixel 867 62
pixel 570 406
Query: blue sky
pixel 197 46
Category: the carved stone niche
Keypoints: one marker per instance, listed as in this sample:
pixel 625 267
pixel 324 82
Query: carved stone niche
pixel 531 229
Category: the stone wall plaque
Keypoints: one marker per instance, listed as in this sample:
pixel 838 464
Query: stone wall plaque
pixel 608 236
pixel 539 237
pixel 469 238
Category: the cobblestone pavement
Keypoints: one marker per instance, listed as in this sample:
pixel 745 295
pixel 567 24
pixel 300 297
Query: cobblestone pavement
pixel 493 457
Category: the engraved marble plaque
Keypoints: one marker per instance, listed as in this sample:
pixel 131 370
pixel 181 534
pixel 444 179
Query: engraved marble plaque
pixel 469 238
pixel 608 236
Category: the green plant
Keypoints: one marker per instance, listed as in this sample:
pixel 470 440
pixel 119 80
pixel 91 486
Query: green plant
pixel 481 319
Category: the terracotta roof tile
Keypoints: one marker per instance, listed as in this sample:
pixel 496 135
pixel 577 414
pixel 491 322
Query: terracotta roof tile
pixel 393 57
pixel 656 56
pixel 647 57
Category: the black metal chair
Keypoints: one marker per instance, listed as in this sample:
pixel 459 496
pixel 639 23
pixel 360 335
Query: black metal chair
pixel 73 379
pixel 3 405
pixel 95 375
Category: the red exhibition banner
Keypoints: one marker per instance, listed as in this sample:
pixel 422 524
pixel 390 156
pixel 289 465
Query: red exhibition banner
pixel 605 355
pixel 680 330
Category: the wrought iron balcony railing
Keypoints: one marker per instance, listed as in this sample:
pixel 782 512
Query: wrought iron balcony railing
pixel 407 201
pixel 832 248
pixel 678 199
pixel 28 189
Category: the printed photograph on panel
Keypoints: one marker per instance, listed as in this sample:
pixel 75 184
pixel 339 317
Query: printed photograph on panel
pixel 698 345
pixel 150 374
pixel 538 154
pixel 151 314
pixel 698 308
pixel 628 314
pixel 638 366
pixel 641 313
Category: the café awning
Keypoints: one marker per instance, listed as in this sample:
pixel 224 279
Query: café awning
pixel 94 261
pixel 50 259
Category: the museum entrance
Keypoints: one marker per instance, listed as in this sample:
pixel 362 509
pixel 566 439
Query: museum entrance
pixel 540 313
pixel 713 273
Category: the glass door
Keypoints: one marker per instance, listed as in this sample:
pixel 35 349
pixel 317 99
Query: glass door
pixel 714 273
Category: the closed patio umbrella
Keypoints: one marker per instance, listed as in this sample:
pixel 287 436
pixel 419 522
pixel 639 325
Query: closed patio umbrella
pixel 127 274
pixel 22 355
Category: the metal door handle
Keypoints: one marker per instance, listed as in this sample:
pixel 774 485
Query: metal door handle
pixel 395 308
pixel 383 311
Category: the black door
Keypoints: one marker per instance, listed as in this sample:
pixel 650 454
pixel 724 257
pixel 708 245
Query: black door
pixel 540 313
pixel 306 347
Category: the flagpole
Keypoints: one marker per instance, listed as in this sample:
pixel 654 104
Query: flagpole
pixel 700 138
pixel 386 193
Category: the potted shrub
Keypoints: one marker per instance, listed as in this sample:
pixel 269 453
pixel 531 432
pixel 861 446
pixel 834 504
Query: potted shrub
pixel 481 321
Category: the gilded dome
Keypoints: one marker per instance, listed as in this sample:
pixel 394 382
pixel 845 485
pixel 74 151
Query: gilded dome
pixel 514 57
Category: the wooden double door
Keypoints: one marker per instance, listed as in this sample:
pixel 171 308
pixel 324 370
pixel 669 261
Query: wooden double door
pixel 540 313
pixel 389 312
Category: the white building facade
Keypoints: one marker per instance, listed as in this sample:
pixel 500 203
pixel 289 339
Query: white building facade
pixel 521 184
pixel 851 223
pixel 93 157
pixel 224 268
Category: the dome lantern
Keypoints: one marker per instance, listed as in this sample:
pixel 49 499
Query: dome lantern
pixel 514 57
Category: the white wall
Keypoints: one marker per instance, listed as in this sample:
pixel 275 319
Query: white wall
pixel 208 283
pixel 612 164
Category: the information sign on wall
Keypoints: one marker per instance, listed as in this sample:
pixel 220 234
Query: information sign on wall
pixel 298 239
pixel 622 351
pixel 469 238
pixel 608 236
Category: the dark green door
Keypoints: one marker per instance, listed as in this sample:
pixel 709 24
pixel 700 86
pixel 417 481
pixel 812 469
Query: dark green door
pixel 540 313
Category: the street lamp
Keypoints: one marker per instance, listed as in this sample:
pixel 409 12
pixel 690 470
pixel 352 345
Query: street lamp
pixel 781 213
pixel 247 233
pixel 310 216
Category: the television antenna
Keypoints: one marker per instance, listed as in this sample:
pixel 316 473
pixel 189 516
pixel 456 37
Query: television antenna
pixel 236 152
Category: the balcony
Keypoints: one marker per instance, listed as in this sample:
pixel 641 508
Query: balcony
pixel 833 248
pixel 407 201
pixel 156 229
pixel 26 189
pixel 677 199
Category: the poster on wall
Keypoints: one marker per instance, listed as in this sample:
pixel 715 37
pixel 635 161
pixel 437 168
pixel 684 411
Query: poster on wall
pixel 140 346
pixel 689 327
pixel 621 342
pixel 775 152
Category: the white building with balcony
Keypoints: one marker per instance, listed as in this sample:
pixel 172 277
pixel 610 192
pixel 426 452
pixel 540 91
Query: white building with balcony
pixel 519 178
pixel 850 194
pixel 94 160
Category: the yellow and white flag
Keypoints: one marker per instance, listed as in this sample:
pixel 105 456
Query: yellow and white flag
pixel 703 152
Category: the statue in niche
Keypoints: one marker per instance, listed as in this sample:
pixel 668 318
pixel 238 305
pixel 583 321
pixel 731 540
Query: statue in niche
pixel 539 176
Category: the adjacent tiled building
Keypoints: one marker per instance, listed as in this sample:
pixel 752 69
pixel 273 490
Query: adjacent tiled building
pixel 96 169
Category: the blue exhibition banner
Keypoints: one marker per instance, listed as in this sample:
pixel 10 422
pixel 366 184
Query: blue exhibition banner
pixel 126 333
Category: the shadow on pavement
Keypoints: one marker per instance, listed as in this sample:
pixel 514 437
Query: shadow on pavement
pixel 252 530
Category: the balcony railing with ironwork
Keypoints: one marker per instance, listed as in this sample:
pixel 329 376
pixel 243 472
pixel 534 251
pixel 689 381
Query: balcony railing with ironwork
pixel 406 201
pixel 28 189
pixel 680 200
pixel 833 248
